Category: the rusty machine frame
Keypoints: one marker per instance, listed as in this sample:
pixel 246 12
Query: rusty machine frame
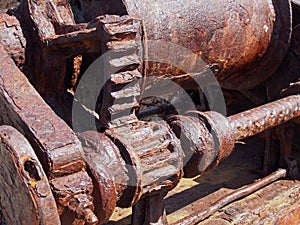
pixel 51 175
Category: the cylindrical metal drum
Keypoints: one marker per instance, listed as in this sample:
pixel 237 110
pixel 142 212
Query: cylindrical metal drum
pixel 242 41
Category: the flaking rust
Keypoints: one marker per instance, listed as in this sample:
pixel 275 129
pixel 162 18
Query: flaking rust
pixel 140 147
pixel 259 119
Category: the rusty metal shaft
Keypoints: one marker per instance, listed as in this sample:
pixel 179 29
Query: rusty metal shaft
pixel 257 120
pixel 211 136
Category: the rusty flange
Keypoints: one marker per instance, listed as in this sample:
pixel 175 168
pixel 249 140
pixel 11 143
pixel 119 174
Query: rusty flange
pixel 25 194
pixel 106 166
pixel 222 131
pixel 206 139
pixel 197 143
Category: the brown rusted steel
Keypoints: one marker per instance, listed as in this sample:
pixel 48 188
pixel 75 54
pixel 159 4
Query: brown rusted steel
pixel 259 119
pixel 235 195
pixel 154 155
pixel 121 37
pixel 216 32
pixel 206 139
pixel 53 41
pixel 197 143
pixel 25 196
pixel 150 209
pixel 52 20
pixel 209 137
pixel 222 34
pixel 219 126
pixel 108 169
pixel 12 38
pixel 277 203
pixel 75 193
pixel 23 107
pixel 56 145
pixel 137 166
pixel 135 162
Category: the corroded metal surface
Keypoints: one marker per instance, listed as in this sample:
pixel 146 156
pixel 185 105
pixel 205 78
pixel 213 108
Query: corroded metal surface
pixel 197 143
pixel 206 139
pixel 74 193
pixel 240 40
pixel 56 145
pixel 150 210
pixel 209 139
pixel 121 37
pixel 47 24
pixel 25 194
pixel 137 166
pixel 135 162
pixel 23 107
pixel 108 176
pixel 153 153
pixel 12 38
pixel 222 133
pixel 53 37
pixel 259 119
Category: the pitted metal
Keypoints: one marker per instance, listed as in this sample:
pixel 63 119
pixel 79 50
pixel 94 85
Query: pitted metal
pixel 56 145
pixel 143 160
pixel 221 131
pixel 221 33
pixel 135 163
pixel 197 142
pixel 264 117
pixel 122 41
pixel 154 152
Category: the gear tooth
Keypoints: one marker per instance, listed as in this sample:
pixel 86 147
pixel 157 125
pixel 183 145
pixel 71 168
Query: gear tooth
pixel 124 62
pixel 122 46
pixel 154 145
pixel 120 95
pixel 125 77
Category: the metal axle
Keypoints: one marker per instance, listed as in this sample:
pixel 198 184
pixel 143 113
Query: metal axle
pixel 211 136
pixel 257 120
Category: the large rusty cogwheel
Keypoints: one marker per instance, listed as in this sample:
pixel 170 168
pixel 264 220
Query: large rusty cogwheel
pixel 25 196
